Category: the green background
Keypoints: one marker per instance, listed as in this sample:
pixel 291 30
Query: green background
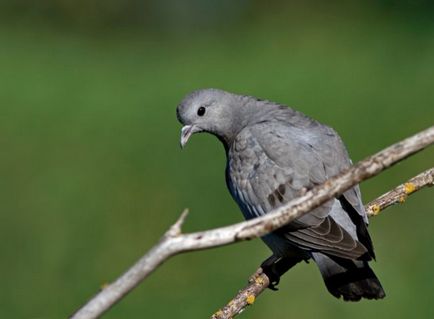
pixel 91 173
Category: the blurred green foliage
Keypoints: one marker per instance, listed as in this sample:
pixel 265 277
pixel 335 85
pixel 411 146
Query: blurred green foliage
pixel 92 174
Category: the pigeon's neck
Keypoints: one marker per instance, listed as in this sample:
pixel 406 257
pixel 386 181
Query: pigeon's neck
pixel 230 133
pixel 254 111
pixel 226 143
pixel 246 112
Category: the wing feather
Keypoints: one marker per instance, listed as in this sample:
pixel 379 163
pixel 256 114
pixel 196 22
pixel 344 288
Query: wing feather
pixel 275 168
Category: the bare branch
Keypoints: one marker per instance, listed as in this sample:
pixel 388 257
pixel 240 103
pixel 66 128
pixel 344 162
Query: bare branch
pixel 175 230
pixel 259 281
pixel 170 245
pixel 400 193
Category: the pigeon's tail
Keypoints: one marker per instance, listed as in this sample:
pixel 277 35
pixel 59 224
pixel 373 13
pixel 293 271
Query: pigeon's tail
pixel 351 279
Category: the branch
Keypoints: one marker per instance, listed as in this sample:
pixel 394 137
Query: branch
pixel 259 281
pixel 173 242
pixel 399 194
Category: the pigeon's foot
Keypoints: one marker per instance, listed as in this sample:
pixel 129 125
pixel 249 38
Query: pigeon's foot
pixel 269 268
pixel 274 267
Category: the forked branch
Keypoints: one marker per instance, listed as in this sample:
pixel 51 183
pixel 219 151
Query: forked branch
pixel 174 242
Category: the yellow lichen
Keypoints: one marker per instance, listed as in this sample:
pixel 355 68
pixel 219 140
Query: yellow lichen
pixel 218 314
pixel 259 280
pixel 402 198
pixel 375 209
pixel 409 188
pixel 250 299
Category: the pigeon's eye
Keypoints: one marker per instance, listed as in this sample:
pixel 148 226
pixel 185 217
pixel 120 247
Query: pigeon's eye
pixel 201 111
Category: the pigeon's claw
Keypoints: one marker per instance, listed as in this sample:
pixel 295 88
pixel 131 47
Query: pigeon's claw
pixel 273 284
pixel 269 268
pixel 274 267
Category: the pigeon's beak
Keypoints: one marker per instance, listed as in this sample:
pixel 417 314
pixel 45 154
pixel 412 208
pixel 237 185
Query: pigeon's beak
pixel 186 132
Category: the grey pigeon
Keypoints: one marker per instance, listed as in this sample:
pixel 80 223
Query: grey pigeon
pixel 274 154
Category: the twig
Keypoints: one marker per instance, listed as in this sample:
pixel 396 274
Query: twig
pixel 172 244
pixel 259 281
pixel 400 193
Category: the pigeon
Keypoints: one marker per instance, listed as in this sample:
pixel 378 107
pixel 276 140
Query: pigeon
pixel 275 154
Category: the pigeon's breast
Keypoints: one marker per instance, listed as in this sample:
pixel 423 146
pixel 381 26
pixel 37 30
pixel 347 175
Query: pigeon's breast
pixel 242 163
pixel 256 183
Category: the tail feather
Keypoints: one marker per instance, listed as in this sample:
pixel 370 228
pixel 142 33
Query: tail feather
pixel 351 279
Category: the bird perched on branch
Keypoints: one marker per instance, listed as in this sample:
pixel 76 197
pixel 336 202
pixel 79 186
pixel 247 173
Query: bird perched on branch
pixel 275 154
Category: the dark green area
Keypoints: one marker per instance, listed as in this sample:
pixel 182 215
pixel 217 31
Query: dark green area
pixel 92 174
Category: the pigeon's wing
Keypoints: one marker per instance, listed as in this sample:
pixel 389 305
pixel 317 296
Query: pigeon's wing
pixel 272 163
pixel 335 159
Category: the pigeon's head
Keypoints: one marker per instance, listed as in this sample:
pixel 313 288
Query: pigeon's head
pixel 208 110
